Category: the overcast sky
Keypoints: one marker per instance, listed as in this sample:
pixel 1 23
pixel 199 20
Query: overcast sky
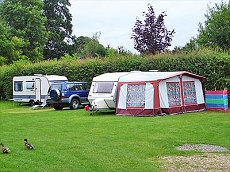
pixel 116 18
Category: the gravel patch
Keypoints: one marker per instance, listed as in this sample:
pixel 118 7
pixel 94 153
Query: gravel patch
pixel 202 148
pixel 209 161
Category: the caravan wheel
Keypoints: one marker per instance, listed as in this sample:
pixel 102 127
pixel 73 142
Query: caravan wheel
pixel 31 103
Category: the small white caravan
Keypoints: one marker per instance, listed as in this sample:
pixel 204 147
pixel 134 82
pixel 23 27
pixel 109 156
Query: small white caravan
pixel 33 89
pixel 102 95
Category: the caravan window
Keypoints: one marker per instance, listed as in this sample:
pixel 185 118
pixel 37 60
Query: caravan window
pixel 173 91
pixel 189 92
pixel 103 87
pixel 18 85
pixel 135 95
pixel 29 84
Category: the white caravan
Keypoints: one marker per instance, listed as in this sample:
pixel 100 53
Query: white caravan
pixel 102 95
pixel 33 89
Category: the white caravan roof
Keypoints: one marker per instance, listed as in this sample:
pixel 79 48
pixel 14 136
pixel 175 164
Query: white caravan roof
pixel 48 77
pixel 109 76
pixel 135 76
pixel 56 78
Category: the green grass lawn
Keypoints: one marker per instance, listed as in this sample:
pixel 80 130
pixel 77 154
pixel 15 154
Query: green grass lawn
pixel 73 141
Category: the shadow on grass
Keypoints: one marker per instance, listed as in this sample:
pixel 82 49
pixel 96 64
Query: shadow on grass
pixel 103 113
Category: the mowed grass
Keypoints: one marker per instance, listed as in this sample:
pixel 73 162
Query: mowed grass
pixel 73 141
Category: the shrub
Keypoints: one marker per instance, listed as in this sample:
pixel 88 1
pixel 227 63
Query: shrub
pixel 211 64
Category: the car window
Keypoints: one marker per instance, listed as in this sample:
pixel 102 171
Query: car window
pixel 79 86
pixel 86 86
pixel 56 86
pixel 82 86
pixel 71 87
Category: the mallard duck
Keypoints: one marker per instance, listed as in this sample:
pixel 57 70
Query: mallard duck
pixel 28 145
pixel 4 148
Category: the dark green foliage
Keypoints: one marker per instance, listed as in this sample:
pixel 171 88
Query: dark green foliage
pixel 216 29
pixel 89 47
pixel 211 64
pixel 25 20
pixel 59 27
pixel 10 46
pixel 190 46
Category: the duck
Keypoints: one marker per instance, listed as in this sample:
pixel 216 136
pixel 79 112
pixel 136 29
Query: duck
pixel 28 145
pixel 4 148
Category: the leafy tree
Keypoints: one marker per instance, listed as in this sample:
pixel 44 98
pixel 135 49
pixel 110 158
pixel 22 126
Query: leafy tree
pixel 122 51
pixel 25 20
pixel 215 31
pixel 189 46
pixel 90 47
pixel 59 27
pixel 119 51
pixel 10 47
pixel 151 35
pixel 80 43
pixel 111 52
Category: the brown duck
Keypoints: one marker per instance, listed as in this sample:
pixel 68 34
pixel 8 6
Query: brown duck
pixel 28 145
pixel 4 148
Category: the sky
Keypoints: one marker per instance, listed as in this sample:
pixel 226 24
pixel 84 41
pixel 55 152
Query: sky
pixel 114 19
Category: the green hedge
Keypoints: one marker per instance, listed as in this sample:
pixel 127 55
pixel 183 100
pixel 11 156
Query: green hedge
pixel 213 65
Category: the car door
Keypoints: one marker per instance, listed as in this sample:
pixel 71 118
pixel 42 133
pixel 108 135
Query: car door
pixel 82 91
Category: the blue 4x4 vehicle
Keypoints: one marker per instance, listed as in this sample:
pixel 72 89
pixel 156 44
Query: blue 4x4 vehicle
pixel 68 94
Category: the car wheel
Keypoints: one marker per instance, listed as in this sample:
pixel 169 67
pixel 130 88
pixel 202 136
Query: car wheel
pixel 58 107
pixel 74 104
pixel 55 95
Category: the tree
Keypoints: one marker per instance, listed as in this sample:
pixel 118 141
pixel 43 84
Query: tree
pixel 189 46
pixel 151 35
pixel 215 31
pixel 25 20
pixel 10 47
pixel 90 47
pixel 60 28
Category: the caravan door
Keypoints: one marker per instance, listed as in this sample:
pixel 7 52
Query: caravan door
pixel 38 89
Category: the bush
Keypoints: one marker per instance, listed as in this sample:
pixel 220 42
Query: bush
pixel 211 64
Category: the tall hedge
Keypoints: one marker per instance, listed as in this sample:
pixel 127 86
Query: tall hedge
pixel 213 65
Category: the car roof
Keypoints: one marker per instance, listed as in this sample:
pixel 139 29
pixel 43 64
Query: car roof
pixel 76 82
pixel 72 82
